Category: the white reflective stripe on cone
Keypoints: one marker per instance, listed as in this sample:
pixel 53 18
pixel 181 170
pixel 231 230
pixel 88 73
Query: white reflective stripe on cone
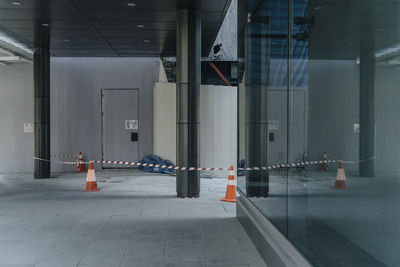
pixel 231 182
pixel 90 175
pixel 231 172
pixel 340 174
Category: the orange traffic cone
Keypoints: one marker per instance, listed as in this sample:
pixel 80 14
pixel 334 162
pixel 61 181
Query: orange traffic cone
pixel 325 166
pixel 81 166
pixel 340 183
pixel 91 183
pixel 230 195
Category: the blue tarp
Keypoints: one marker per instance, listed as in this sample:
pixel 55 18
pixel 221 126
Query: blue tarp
pixel 154 159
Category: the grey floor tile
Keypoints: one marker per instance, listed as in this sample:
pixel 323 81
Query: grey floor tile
pixel 146 249
pixel 27 252
pixel 182 250
pixel 68 249
pixel 105 251
pixel 142 263
pixel 57 263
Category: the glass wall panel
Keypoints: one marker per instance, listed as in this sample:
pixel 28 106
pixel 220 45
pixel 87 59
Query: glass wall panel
pixel 263 57
pixel 340 104
pixel 352 103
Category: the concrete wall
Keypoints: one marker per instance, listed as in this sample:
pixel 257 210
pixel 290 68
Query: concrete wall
pixel 76 85
pixel 16 108
pixel 218 128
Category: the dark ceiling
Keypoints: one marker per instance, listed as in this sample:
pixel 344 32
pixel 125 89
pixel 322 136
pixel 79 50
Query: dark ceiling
pixel 108 27
pixel 342 26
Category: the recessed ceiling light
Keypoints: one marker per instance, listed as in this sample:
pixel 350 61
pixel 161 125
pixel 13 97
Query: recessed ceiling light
pixel 318 8
pixel 140 25
pixel 146 41
pixel 131 4
pixel 66 40
pixel 45 24
pixel 15 3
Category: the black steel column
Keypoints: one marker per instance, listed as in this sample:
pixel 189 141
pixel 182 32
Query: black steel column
pixel 367 92
pixel 256 110
pixel 188 79
pixel 41 75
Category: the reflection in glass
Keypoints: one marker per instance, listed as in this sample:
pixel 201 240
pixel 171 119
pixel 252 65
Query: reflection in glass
pixel 342 99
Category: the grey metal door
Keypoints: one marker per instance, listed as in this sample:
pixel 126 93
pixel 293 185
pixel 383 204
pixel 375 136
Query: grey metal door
pixel 120 119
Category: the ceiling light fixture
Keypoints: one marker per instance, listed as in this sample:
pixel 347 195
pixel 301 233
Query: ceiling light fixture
pixel 15 3
pixel 140 25
pixel 131 4
pixel 146 41
pixel 66 40
pixel 45 24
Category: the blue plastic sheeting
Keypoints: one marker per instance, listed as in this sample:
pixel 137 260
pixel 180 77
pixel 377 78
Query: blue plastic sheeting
pixel 154 159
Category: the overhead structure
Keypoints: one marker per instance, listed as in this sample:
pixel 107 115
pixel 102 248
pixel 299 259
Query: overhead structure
pixel 108 28
pixel 10 54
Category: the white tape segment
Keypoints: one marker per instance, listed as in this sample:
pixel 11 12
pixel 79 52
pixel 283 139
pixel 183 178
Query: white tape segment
pixel 272 167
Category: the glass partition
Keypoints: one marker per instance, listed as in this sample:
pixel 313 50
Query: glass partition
pixel 263 58
pixel 319 81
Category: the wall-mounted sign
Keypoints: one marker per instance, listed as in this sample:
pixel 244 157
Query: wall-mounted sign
pixel 356 128
pixel 28 127
pixel 273 125
pixel 131 124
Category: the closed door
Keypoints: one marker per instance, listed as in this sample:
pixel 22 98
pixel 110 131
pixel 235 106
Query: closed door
pixel 120 118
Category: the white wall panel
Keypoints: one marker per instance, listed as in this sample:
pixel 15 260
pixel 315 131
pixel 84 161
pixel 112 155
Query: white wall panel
pixel 16 108
pixel 218 128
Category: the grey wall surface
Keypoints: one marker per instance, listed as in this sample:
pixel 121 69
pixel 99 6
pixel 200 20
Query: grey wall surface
pixel 16 108
pixel 75 103
pixel 333 110
pixel 387 112
pixel 76 85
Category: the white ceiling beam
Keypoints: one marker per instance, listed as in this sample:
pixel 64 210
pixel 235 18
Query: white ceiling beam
pixel 10 58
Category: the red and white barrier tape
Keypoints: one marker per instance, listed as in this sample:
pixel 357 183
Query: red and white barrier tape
pixel 171 167
pixel 65 155
pixel 62 162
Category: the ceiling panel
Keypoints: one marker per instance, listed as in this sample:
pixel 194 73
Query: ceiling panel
pixel 107 27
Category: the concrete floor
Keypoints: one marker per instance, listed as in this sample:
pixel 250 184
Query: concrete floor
pixel 135 220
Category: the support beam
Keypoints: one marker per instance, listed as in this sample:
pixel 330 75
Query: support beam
pixel 41 72
pixel 219 73
pixel 367 94
pixel 188 79
pixel 256 111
